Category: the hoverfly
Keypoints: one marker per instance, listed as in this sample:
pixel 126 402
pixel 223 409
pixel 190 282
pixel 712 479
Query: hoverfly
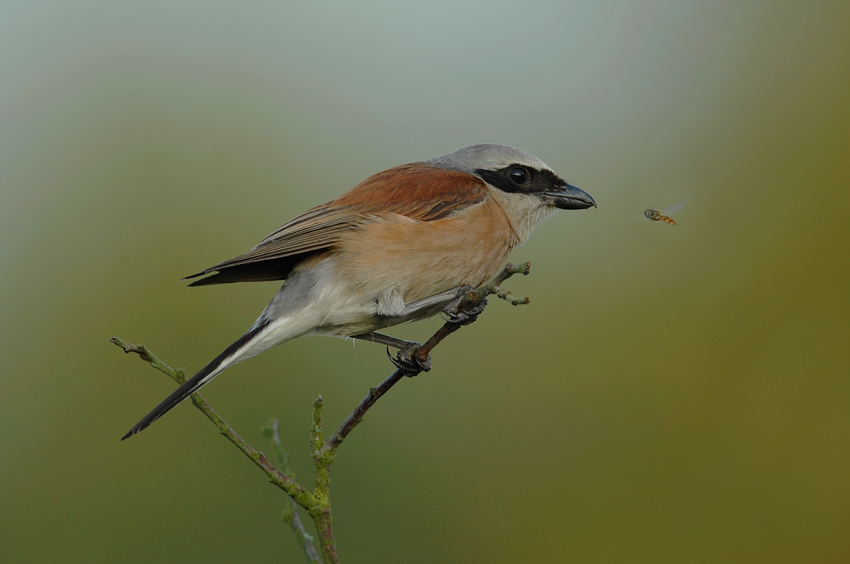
pixel 664 215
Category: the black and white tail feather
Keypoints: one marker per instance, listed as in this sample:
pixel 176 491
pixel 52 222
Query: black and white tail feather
pixel 232 354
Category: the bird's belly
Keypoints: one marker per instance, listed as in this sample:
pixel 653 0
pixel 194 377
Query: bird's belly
pixel 420 259
pixel 346 310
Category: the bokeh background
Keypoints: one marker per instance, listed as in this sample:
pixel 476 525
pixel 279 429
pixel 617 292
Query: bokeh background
pixel 670 395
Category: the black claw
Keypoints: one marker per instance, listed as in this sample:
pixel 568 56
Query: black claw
pixel 396 363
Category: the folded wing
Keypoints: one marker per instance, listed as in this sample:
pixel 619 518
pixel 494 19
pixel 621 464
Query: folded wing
pixel 416 191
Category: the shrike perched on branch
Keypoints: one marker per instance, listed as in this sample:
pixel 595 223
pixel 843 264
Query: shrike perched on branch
pixel 395 248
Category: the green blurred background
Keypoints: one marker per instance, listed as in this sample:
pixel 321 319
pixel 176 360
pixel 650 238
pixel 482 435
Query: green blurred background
pixel 670 395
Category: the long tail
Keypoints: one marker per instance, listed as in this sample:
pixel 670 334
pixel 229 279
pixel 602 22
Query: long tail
pixel 230 355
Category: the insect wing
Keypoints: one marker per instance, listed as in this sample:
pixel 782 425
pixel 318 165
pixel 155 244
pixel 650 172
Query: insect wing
pixel 675 208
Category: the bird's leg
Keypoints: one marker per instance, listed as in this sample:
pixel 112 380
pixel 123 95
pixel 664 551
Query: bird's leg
pixel 408 352
pixel 409 356
pixel 432 301
pixel 382 339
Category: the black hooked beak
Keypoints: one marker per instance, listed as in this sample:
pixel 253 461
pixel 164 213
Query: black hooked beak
pixel 568 197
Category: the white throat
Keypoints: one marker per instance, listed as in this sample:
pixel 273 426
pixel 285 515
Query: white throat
pixel 524 212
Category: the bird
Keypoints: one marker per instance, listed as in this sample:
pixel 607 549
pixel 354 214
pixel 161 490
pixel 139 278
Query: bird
pixel 395 248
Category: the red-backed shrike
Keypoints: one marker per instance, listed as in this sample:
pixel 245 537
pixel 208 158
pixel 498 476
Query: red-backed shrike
pixel 393 249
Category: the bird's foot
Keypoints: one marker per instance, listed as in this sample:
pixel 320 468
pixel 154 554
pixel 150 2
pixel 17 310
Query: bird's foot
pixel 461 311
pixel 411 359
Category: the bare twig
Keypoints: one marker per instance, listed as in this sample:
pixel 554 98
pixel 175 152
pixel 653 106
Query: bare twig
pixel 290 514
pixel 508 297
pixel 493 286
pixel 356 416
pixel 321 512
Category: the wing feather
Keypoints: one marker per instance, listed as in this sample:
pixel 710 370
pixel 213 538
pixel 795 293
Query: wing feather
pixel 417 191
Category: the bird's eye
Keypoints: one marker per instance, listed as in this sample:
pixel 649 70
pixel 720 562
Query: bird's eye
pixel 518 175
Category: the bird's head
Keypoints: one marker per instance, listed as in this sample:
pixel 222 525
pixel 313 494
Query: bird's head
pixel 514 171
pixel 526 187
